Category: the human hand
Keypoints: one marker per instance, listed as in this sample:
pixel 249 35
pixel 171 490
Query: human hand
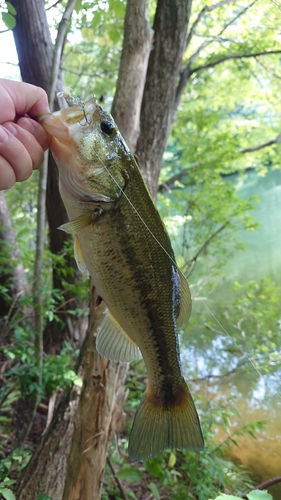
pixel 22 140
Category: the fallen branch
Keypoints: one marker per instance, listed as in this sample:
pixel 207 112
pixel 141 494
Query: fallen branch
pixel 266 484
pixel 118 482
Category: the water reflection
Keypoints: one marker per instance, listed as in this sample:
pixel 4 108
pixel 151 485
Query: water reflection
pixel 208 351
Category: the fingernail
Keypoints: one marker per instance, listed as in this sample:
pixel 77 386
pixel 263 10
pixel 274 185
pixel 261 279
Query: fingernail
pixel 3 134
pixel 11 128
pixel 27 124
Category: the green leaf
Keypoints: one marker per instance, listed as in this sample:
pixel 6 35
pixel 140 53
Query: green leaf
pixel 96 19
pixel 118 7
pixel 8 20
pixel 130 494
pixel 43 496
pixel 131 474
pixel 11 9
pixel 223 496
pixel 154 490
pixel 7 494
pixel 172 460
pixel 154 468
pixel 259 495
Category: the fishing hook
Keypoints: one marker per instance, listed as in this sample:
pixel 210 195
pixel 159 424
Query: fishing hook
pixel 88 120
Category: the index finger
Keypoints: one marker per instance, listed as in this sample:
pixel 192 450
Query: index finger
pixel 24 99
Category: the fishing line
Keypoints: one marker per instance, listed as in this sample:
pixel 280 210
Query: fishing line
pixel 79 102
pixel 203 302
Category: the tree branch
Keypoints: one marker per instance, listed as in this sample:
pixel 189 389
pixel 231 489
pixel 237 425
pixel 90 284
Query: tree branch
pixel 118 482
pixel 201 14
pixel 266 484
pixel 54 5
pixel 177 177
pixel 206 244
pixel 232 57
pixel 241 361
pixel 187 72
pixel 41 200
pixel 58 49
pixel 261 146
pixel 169 183
pixel 237 16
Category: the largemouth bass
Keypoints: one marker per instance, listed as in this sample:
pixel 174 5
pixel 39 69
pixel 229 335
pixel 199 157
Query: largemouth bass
pixel 121 240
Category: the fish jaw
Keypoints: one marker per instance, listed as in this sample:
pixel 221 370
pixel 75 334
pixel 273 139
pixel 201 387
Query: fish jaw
pixel 63 134
pixel 84 153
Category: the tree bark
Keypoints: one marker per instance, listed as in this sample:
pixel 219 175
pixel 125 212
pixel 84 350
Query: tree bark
pixel 46 470
pixel 164 66
pixel 35 59
pixel 132 70
pixel 12 275
pixel 99 415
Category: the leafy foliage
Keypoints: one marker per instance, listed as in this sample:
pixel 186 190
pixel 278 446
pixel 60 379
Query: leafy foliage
pixel 253 495
pixel 184 475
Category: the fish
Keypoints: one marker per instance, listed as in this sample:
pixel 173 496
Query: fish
pixel 120 239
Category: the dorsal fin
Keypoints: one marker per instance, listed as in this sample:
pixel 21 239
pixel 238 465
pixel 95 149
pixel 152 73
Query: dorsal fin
pixel 185 301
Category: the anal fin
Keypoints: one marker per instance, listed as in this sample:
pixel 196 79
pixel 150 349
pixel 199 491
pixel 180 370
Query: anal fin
pixel 113 343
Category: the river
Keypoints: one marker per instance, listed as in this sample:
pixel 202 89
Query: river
pixel 257 397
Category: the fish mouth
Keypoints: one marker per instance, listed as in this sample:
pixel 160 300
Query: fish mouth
pixel 64 126
pixel 67 121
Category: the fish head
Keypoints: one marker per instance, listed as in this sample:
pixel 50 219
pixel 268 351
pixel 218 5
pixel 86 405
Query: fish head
pixel 85 143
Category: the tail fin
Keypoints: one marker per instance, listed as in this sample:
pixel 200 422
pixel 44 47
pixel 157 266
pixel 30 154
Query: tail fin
pixel 156 427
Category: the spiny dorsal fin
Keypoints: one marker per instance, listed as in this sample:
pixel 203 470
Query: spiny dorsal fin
pixel 185 301
pixel 113 343
pixel 78 255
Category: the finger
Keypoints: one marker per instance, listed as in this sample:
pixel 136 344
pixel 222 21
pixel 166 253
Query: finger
pixel 25 98
pixel 36 130
pixel 15 153
pixel 30 144
pixel 7 174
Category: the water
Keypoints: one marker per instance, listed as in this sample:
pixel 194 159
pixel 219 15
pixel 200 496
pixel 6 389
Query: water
pixel 262 257
pixel 257 397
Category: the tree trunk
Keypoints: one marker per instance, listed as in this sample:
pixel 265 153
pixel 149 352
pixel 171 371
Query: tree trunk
pixel 12 275
pixel 46 470
pixel 164 66
pixel 98 416
pixel 132 71
pixel 35 59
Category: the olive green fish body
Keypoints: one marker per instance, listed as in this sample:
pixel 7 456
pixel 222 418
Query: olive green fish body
pixel 121 239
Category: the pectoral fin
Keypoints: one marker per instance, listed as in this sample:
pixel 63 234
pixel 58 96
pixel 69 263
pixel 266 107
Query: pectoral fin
pixel 78 223
pixel 185 301
pixel 113 343
pixel 78 255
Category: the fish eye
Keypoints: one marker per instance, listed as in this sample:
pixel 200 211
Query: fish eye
pixel 107 127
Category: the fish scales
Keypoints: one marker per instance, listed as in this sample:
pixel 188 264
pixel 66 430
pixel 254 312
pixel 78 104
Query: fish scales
pixel 121 239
